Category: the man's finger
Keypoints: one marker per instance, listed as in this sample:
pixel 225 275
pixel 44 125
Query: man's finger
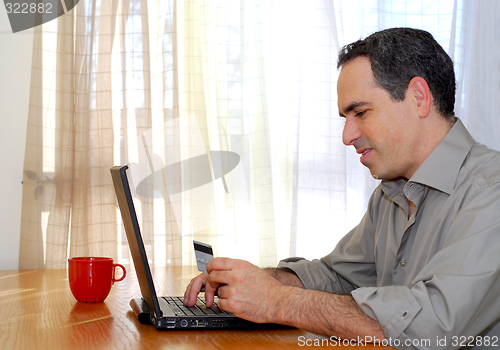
pixel 220 264
pixel 219 277
pixel 194 288
pixel 213 284
pixel 210 294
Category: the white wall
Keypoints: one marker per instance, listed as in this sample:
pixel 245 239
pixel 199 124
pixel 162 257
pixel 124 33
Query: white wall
pixel 15 74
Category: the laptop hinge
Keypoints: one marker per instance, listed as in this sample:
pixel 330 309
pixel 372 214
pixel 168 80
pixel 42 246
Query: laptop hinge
pixel 142 311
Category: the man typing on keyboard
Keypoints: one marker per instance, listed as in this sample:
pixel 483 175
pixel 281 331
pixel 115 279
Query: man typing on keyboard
pixel 422 265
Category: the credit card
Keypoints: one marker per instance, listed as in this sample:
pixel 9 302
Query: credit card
pixel 203 254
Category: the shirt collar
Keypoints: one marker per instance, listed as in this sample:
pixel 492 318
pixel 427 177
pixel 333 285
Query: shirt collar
pixel 440 169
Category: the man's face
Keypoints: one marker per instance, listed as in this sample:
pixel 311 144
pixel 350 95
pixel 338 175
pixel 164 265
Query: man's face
pixel 383 131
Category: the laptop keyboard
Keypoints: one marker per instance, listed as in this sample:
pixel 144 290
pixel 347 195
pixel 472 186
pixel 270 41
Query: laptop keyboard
pixel 200 309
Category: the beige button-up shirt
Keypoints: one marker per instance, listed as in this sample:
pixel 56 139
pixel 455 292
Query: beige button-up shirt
pixel 432 279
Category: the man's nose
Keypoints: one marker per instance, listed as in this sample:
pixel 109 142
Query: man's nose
pixel 351 131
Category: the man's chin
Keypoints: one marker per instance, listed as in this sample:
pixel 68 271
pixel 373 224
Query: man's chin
pixel 373 172
pixel 377 175
pixel 386 177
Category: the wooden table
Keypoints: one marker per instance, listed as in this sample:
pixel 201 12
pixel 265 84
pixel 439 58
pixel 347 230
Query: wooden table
pixel 38 311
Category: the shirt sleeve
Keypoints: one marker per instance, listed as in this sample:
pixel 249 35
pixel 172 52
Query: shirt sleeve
pixel 350 265
pixel 317 275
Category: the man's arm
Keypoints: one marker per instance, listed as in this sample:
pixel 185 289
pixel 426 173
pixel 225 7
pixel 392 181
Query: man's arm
pixel 328 314
pixel 285 276
pixel 325 309
pixel 256 295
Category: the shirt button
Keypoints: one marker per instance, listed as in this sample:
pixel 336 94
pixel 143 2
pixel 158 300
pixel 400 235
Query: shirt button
pixel 402 263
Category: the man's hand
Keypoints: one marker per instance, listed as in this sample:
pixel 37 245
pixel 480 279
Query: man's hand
pixel 240 287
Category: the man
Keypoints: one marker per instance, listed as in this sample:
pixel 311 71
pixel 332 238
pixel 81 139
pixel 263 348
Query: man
pixel 421 268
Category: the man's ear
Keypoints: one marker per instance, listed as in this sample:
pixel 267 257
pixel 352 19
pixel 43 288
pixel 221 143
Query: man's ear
pixel 421 94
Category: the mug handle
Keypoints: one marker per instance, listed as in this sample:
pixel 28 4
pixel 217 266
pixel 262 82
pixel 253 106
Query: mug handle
pixel 123 270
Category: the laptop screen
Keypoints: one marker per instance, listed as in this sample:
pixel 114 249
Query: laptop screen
pixel 127 209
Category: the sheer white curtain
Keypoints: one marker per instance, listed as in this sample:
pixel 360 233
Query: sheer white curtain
pixel 478 93
pixel 329 186
pixel 226 112
pixel 232 150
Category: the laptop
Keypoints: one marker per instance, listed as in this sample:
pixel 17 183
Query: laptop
pixel 166 313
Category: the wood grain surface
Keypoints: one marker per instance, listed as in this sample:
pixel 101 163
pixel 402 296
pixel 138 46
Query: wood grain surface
pixel 38 311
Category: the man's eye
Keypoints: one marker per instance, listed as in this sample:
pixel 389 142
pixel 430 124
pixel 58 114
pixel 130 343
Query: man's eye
pixel 360 114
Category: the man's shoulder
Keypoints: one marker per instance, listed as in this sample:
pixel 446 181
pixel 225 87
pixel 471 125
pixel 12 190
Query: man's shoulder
pixel 483 165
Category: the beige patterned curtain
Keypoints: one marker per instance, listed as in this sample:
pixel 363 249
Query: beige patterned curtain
pixel 167 87
pixel 90 77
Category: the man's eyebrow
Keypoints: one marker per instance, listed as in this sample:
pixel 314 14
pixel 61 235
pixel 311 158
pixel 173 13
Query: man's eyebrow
pixel 352 106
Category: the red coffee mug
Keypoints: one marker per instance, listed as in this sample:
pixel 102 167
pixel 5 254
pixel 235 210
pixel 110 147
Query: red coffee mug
pixel 91 278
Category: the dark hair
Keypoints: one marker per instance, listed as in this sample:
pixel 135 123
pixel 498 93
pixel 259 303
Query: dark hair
pixel 397 55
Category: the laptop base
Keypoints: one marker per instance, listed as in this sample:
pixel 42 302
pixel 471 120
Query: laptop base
pixel 146 316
